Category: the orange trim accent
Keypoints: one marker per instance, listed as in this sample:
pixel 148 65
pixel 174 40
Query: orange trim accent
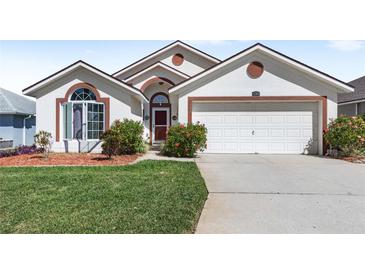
pixel 178 59
pixel 322 99
pixel 154 80
pixel 60 101
pixel 255 70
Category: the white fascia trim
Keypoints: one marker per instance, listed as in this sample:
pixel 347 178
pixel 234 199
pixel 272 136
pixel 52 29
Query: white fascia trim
pixel 272 54
pixel 158 64
pixel 177 43
pixel 319 75
pixel 83 65
pixel 351 102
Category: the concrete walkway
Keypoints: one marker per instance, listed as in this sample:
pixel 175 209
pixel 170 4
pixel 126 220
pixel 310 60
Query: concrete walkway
pixel 282 194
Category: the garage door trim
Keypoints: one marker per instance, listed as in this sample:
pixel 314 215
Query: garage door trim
pixel 322 99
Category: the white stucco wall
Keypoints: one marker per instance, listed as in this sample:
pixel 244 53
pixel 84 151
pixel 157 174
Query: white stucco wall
pixel 122 104
pixel 277 80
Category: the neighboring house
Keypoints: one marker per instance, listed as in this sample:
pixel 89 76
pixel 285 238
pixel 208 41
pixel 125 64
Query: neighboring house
pixel 353 103
pixel 17 118
pixel 257 101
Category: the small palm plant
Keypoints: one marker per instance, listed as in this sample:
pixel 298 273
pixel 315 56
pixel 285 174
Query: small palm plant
pixel 43 140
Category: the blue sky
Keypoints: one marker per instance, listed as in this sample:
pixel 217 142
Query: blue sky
pixel 23 63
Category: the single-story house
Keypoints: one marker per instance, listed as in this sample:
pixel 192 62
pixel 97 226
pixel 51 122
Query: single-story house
pixel 256 101
pixel 353 103
pixel 17 119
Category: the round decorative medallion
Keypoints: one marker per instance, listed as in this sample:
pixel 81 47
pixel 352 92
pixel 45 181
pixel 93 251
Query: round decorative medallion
pixel 255 70
pixel 178 59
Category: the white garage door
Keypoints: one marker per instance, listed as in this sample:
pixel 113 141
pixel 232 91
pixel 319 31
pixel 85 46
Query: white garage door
pixel 258 131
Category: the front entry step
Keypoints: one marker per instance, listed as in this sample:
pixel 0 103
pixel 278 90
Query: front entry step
pixel 156 146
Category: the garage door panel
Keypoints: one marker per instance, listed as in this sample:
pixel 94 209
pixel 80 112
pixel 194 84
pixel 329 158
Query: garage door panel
pixel 294 147
pixel 261 132
pixel 275 131
pixel 307 119
pixel 261 119
pixel 278 147
pixel 262 147
pixel 277 119
pixel 278 132
pixel 230 132
pixel 211 119
pixel 245 132
pixel 246 147
pixel 230 119
pixel 293 119
pixel 245 119
pixel 307 133
pixel 214 132
pixel 230 147
pixel 293 132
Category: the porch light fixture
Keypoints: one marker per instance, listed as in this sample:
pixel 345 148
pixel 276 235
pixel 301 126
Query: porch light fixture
pixel 256 93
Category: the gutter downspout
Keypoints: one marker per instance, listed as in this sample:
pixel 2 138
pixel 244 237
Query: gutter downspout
pixel 28 117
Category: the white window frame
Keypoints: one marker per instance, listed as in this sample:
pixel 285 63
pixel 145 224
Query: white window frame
pixel 154 109
pixel 84 119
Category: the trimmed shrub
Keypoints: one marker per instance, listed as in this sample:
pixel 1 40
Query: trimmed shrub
pixel 111 141
pixel 347 134
pixel 185 140
pixel 123 137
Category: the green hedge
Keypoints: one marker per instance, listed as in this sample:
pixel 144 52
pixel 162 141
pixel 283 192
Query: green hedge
pixel 123 137
pixel 347 134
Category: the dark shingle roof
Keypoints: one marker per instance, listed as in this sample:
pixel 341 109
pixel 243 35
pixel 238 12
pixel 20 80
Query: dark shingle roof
pixel 359 93
pixel 12 103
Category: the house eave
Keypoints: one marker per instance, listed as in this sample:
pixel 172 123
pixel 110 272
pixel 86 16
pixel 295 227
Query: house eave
pixel 155 65
pixel 351 102
pixel 341 86
pixel 81 64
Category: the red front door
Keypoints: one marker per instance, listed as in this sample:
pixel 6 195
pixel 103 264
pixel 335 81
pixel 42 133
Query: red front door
pixel 160 125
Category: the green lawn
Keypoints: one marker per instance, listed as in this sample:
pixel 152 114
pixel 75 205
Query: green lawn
pixel 148 197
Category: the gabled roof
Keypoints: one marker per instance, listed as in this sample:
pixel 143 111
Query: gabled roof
pixel 358 95
pixel 164 49
pixel 82 64
pixel 275 54
pixel 12 103
pixel 155 65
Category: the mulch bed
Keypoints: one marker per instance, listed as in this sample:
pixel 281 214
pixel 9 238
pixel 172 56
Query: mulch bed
pixel 67 159
pixel 357 160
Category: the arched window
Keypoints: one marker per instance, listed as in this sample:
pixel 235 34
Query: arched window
pixel 83 116
pixel 83 94
pixel 160 99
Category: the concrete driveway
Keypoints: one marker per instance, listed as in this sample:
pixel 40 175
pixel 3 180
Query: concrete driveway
pixel 281 194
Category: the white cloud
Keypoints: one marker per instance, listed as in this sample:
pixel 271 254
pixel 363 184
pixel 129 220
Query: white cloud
pixel 346 45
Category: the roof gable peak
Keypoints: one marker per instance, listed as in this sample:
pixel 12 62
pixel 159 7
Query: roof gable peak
pixel 274 54
pixel 164 49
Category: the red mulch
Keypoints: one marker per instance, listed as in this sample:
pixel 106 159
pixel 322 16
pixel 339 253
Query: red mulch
pixel 67 159
pixel 357 160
